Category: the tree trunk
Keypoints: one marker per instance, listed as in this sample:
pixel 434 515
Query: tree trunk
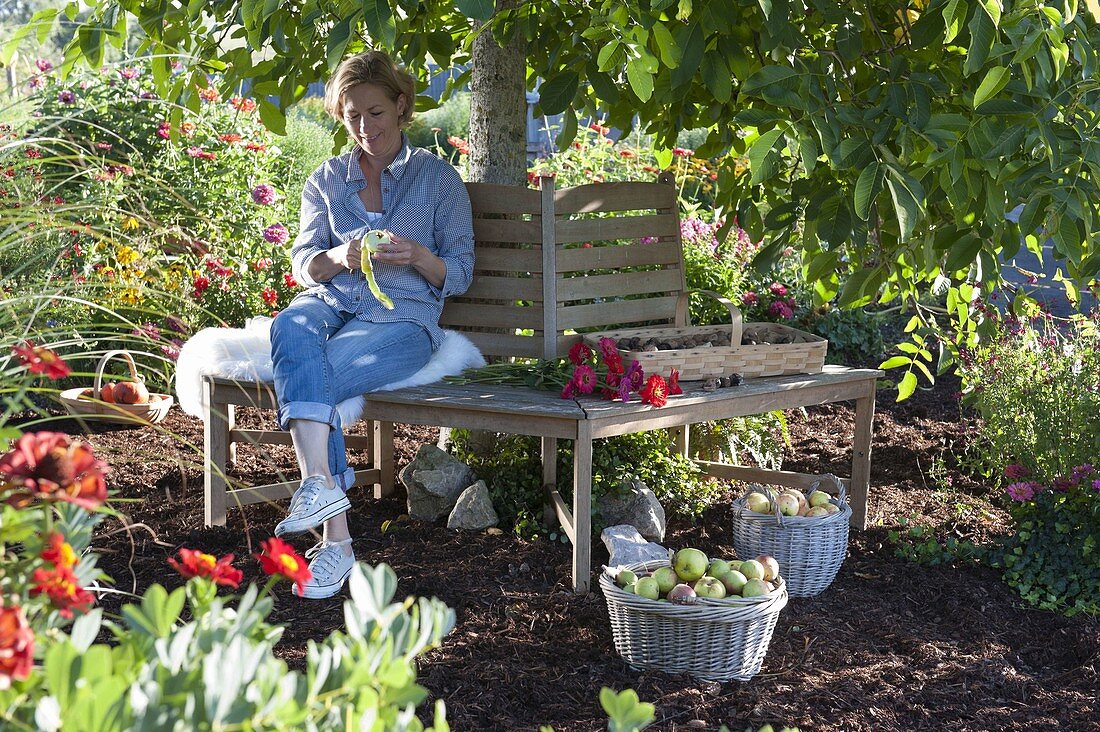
pixel 498 137
pixel 498 109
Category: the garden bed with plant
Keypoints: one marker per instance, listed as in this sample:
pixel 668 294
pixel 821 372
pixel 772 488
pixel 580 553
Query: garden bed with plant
pixel 892 644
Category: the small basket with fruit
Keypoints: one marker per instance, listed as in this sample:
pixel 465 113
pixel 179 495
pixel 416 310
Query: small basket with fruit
pixel 748 350
pixel 808 534
pixel 122 401
pixel 713 620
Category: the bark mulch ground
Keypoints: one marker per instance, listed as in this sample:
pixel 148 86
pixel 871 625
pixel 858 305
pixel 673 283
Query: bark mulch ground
pixel 890 645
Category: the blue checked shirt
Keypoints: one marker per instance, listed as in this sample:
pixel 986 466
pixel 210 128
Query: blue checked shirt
pixel 423 199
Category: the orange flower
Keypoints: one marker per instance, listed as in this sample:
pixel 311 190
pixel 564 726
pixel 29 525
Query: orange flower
pixel 242 105
pixel 655 391
pixel 62 587
pixel 41 360
pixel 59 552
pixel 51 467
pixel 194 563
pixel 209 94
pixel 16 646
pixel 279 558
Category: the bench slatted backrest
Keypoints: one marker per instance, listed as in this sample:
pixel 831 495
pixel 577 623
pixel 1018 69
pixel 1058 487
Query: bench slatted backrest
pixel 632 273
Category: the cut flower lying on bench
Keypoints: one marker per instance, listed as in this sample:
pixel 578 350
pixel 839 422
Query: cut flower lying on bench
pixel 583 372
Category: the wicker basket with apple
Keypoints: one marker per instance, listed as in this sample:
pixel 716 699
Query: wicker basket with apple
pixel 126 400
pixel 806 532
pixel 688 614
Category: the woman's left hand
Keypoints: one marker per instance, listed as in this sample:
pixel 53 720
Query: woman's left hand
pixel 398 251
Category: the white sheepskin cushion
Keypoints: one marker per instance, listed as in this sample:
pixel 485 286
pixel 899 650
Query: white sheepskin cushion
pixel 245 354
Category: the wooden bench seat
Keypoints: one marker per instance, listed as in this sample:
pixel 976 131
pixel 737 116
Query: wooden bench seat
pixel 535 287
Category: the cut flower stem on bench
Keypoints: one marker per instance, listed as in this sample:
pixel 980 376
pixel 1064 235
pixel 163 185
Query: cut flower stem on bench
pixel 584 372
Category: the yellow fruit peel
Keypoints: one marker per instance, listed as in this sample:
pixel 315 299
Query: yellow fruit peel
pixel 372 242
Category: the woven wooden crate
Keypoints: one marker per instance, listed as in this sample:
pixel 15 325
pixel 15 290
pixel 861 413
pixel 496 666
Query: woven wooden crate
pixel 84 402
pixel 801 353
pixel 714 640
pixel 809 550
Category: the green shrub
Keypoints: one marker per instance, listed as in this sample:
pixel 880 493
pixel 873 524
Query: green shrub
pixel 451 119
pixel 1037 388
pixel 512 471
pixel 855 336
pixel 1053 559
pixel 130 217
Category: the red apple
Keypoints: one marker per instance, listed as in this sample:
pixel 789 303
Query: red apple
pixel 131 392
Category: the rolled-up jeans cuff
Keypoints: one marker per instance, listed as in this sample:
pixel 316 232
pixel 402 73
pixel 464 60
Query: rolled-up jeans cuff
pixel 313 411
pixel 345 480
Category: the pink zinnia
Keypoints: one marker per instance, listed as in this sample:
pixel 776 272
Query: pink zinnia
pixel 781 309
pixel 609 348
pixel 43 65
pixel 164 130
pixel 584 379
pixel 1015 471
pixel 128 72
pixel 263 194
pixel 778 290
pixel 750 298
pixel 276 234
pixel 1021 491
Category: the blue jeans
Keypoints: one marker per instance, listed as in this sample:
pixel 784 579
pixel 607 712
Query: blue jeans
pixel 322 356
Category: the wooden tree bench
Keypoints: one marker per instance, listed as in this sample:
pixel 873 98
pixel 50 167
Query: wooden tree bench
pixel 536 285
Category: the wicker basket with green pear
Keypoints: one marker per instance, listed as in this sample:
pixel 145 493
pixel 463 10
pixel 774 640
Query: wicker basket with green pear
pixel 691 575
pixel 793 502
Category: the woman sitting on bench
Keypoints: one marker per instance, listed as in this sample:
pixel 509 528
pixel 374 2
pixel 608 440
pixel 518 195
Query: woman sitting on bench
pixel 339 338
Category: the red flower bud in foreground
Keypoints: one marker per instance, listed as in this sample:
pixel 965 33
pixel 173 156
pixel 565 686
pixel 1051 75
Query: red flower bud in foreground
pixel 194 563
pixel 16 646
pixel 51 467
pixel 279 558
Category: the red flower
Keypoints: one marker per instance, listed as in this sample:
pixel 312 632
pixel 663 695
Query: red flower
pixel 579 353
pixel 584 379
pixel 270 296
pixel 49 466
pixel 242 105
pixel 164 130
pixel 194 563
pixel 255 146
pixel 41 360
pixel 599 128
pixel 288 280
pixel 16 646
pixel 230 137
pixel 627 153
pixel 674 383
pixel 655 391
pixel 614 363
pixel 62 587
pixel 279 558
pixel 59 552
pixel 569 390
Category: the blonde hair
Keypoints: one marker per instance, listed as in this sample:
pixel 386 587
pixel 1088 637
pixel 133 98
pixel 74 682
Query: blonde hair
pixel 370 67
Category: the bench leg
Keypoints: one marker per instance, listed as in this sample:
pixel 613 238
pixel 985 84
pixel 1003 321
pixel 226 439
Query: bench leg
pixel 582 508
pixel 680 439
pixel 861 457
pixel 217 452
pixel 549 479
pixel 383 457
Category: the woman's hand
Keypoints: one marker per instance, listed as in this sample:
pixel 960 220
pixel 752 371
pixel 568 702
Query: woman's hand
pixel 399 251
pixel 349 255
